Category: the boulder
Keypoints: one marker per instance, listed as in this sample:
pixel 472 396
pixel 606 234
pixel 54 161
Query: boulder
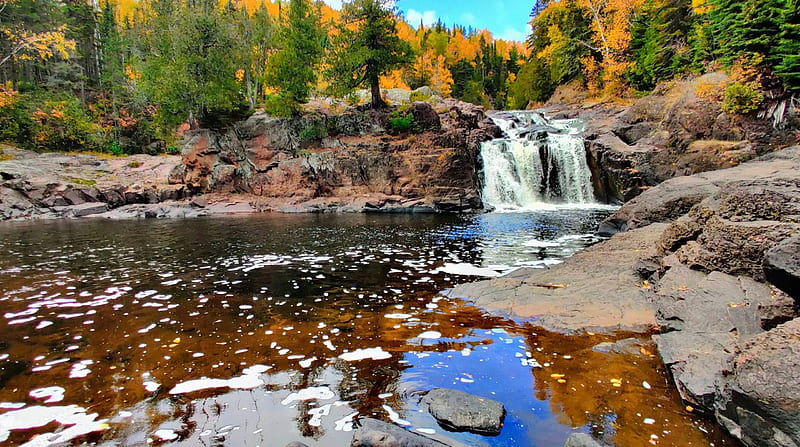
pixel 375 433
pixel 425 118
pixel 760 401
pixel 782 266
pixel 296 444
pixel 459 411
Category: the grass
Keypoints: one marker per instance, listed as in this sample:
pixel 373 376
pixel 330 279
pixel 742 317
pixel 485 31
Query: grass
pixel 83 181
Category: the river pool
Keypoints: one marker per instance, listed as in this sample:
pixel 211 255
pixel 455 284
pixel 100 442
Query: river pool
pixel 261 330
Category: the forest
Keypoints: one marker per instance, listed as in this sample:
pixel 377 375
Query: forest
pixel 120 76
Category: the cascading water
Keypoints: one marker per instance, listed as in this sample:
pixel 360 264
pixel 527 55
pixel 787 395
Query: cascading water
pixel 539 162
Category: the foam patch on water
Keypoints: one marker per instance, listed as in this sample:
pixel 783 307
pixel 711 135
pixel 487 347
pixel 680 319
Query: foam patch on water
pixel 311 393
pixel 38 416
pixel 362 354
pixel 51 394
pixel 248 381
pixel 467 270
pixel 535 243
pixel 430 335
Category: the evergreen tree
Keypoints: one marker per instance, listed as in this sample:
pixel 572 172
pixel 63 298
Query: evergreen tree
pixel 366 47
pixel 659 45
pixel 787 51
pixel 293 70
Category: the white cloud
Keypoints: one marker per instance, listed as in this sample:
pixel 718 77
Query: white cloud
pixel 413 17
pixel 511 33
pixel 335 4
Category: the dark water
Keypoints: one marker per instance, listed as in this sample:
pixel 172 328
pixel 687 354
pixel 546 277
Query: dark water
pixel 254 331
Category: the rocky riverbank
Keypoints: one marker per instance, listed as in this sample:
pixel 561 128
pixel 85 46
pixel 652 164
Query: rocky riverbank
pixel 711 262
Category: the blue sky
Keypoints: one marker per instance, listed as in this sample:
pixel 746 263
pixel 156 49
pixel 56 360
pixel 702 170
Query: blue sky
pixel 506 19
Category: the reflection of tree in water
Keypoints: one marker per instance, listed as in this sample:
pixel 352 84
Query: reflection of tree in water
pixel 587 397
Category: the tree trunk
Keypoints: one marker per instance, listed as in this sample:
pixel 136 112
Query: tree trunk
pixel 377 101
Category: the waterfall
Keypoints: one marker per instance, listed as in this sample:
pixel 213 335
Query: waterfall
pixel 540 161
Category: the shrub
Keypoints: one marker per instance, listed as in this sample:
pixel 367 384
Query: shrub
pixel 314 131
pixel 419 96
pixel 278 107
pixel 741 98
pixel 401 119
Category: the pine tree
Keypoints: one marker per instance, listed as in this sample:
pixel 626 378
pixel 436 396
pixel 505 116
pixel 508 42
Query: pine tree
pixel 294 67
pixel 366 47
pixel 787 51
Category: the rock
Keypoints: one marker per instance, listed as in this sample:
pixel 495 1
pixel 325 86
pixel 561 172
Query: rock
pixel 425 118
pixel 458 411
pixel 760 401
pixel 88 209
pixel 704 320
pixel 583 440
pixel 594 290
pixel 296 444
pixel 199 202
pixel 628 346
pixel 782 266
pixel 375 433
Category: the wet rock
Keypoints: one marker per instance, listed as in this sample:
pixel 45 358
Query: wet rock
pixel 597 289
pixel 375 433
pixel 760 402
pixel 296 444
pixel 583 440
pixel 458 411
pixel 782 266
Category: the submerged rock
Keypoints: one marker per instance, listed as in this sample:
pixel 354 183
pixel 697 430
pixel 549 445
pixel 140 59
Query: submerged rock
pixel 458 411
pixel 375 433
pixel 583 440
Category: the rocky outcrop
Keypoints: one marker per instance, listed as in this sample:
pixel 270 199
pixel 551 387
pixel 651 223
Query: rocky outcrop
pixel 727 334
pixel 598 289
pixel 582 440
pixel 67 185
pixel 345 162
pixel 459 411
pixel 679 129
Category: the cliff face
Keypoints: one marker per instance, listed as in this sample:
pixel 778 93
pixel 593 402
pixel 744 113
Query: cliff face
pixel 347 162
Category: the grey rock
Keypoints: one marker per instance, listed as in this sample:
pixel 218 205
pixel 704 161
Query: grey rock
pixel 459 411
pixel 629 346
pixel 599 292
pixel 375 433
pixel 782 266
pixel 583 440
pixel 296 444
pixel 88 209
pixel 760 402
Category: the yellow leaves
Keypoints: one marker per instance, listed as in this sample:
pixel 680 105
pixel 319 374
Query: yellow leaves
pixel 239 75
pixel 616 383
pixel 38 46
pixel 8 96
pixel 131 73
pixel 441 79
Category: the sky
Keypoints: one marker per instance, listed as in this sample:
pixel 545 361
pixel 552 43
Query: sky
pixel 506 19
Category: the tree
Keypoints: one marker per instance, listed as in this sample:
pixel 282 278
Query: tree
pixel 787 50
pixel 186 66
pixel 257 34
pixel 659 45
pixel 366 47
pixel 293 69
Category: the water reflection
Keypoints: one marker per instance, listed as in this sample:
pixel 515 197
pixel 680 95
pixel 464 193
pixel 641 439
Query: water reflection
pixel 199 332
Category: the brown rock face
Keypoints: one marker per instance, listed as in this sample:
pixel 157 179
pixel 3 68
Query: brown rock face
pixel 349 161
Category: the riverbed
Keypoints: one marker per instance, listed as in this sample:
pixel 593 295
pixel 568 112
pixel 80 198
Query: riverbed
pixel 268 329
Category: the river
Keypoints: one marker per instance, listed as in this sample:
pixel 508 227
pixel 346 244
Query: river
pixel 268 329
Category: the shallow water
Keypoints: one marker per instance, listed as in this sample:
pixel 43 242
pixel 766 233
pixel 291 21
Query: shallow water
pixel 269 329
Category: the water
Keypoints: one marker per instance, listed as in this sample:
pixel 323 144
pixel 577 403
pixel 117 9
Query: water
pixel 270 329
pixel 541 162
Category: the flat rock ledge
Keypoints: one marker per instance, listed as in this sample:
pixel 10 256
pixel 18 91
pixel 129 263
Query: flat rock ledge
pixel 598 289
pixel 456 410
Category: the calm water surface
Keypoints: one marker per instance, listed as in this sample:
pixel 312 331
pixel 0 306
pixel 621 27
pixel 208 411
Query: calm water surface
pixel 263 330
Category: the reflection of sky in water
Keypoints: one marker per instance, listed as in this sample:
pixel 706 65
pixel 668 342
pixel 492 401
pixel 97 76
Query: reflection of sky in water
pixel 118 314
